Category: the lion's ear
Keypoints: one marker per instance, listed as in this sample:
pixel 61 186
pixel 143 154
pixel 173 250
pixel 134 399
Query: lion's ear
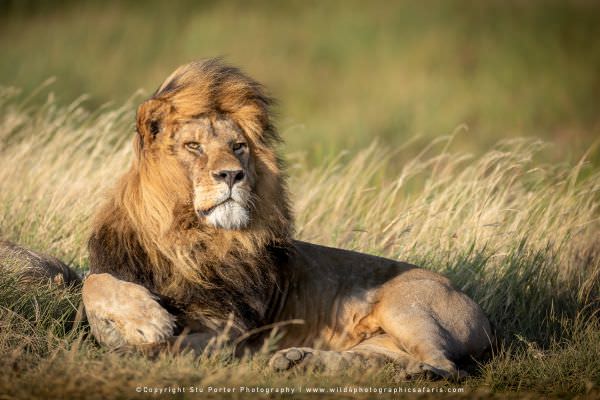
pixel 150 119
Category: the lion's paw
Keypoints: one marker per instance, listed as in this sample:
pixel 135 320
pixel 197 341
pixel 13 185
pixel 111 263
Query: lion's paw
pixel 288 358
pixel 120 329
pixel 123 313
pixel 147 321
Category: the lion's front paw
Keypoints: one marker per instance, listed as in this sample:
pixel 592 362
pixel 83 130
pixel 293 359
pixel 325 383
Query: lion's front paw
pixel 144 320
pixel 123 313
pixel 287 358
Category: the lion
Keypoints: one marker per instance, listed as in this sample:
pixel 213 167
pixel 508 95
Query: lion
pixel 197 237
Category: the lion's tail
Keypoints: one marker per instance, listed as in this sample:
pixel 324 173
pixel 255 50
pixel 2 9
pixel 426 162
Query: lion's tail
pixel 33 266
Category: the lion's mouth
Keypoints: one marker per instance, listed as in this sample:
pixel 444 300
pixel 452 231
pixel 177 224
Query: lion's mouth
pixel 230 213
pixel 208 211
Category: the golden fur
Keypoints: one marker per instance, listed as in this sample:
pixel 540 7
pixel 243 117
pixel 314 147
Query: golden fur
pixel 169 252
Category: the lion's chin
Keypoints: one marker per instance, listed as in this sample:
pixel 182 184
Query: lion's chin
pixel 228 215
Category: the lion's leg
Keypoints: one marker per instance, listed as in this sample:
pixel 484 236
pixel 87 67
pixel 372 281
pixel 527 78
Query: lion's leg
pixel 421 336
pixel 408 365
pixel 373 353
pixel 432 322
pixel 125 315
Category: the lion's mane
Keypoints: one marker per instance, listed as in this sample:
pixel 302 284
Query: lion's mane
pixel 147 231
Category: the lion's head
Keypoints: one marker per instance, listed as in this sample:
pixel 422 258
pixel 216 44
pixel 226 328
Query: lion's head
pixel 205 140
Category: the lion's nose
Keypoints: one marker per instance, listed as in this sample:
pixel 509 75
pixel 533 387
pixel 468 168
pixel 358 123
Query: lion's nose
pixel 229 177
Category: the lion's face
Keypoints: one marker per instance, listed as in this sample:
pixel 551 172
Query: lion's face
pixel 216 156
pixel 205 140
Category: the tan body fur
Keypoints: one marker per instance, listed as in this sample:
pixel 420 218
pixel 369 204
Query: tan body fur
pixel 199 233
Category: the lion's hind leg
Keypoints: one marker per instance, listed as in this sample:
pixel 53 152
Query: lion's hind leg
pixel 125 315
pixel 372 354
pixel 433 322
pixel 419 335
pixel 408 365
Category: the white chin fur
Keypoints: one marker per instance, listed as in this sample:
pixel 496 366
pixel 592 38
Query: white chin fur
pixel 229 215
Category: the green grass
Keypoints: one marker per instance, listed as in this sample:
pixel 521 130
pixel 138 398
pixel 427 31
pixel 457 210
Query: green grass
pixel 346 72
pixel 518 235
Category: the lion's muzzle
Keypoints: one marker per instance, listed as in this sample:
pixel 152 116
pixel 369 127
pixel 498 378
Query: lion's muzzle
pixel 229 208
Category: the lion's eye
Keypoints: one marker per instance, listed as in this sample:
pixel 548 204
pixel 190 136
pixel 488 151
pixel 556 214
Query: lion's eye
pixel 193 146
pixel 239 147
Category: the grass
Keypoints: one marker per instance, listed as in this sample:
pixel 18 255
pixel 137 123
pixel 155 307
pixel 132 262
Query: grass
pixel 346 71
pixel 518 235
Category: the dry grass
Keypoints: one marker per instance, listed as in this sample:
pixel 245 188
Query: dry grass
pixel 522 238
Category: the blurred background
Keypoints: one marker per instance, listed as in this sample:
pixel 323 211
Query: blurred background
pixel 345 72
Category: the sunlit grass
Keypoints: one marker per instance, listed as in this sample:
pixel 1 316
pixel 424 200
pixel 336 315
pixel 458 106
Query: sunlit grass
pixel 519 236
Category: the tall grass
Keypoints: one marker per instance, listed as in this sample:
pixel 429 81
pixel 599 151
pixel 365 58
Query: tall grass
pixel 521 237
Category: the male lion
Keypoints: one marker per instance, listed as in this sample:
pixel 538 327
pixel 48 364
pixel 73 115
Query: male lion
pixel 198 232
